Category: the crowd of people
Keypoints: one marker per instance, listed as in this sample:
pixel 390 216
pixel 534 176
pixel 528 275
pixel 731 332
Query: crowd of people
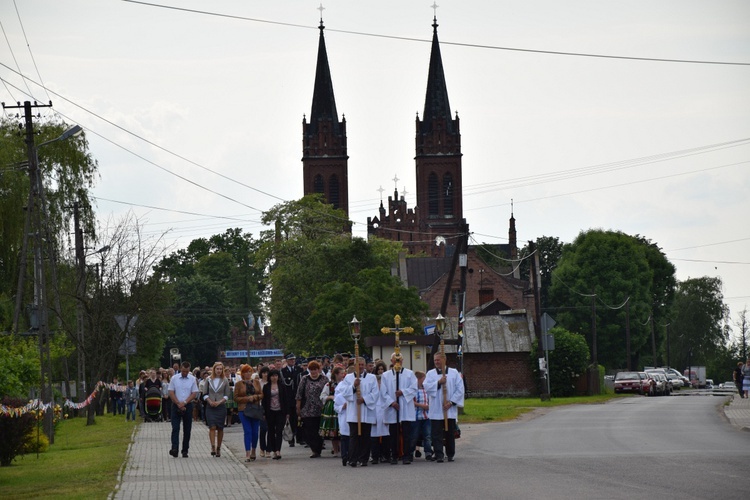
pixel 369 411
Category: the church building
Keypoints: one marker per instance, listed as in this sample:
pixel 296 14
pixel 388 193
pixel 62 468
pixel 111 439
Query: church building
pixel 431 231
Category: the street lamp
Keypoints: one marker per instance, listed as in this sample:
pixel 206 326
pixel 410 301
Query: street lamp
pixel 440 330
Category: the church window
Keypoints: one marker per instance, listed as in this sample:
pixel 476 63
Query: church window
pixel 433 195
pixel 447 195
pixel 334 197
pixel 318 184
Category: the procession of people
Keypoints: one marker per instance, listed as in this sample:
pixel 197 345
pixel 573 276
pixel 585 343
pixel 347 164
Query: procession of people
pixel 368 411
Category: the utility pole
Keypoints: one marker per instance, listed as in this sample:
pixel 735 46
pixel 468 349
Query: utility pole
pixel 35 227
pixel 627 330
pixel 80 292
pixel 535 285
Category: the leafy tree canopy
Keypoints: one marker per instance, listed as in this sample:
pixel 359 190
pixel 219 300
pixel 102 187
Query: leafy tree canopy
pixel 614 267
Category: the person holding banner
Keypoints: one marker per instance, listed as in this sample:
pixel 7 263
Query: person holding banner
pixel 398 388
pixel 444 410
pixel 360 411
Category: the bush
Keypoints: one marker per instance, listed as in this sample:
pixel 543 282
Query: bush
pixel 567 362
pixel 36 441
pixel 13 431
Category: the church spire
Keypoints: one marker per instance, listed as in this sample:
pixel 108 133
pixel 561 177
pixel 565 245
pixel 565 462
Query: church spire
pixel 436 105
pixel 324 103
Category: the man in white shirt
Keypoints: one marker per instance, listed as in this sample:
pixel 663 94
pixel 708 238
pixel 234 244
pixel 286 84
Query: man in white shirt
pixel 398 389
pixel 359 444
pixel 439 378
pixel 183 390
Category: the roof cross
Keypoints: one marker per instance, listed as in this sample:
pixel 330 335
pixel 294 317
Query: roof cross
pixel 380 189
pixel 395 181
pixel 434 8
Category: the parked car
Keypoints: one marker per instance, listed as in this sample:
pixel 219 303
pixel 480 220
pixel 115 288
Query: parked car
pixel 709 383
pixel 678 379
pixel 628 382
pixel 728 385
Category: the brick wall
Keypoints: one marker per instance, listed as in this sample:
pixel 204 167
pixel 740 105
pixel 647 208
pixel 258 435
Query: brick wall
pixel 498 374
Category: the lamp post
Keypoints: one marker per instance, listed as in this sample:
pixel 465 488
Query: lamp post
pixel 355 332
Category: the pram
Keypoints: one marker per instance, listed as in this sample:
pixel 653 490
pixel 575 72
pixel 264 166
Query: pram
pixel 153 405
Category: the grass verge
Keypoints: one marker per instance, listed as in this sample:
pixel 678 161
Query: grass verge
pixel 83 462
pixel 478 410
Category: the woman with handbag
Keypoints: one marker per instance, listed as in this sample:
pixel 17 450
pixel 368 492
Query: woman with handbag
pixel 216 394
pixel 248 395
pixel 278 401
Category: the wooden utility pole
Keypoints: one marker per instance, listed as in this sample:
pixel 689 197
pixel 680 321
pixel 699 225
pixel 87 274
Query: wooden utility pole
pixel 535 285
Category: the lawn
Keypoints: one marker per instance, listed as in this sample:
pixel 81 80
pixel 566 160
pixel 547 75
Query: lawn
pixel 83 463
pixel 477 410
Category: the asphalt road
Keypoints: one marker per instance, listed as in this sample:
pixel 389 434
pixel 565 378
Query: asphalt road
pixel 665 447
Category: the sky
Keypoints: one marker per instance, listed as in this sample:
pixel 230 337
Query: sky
pixel 627 116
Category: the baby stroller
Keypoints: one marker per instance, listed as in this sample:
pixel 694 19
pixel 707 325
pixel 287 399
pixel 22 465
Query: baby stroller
pixel 153 405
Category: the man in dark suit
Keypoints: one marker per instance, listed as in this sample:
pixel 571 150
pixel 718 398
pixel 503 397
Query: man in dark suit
pixel 290 376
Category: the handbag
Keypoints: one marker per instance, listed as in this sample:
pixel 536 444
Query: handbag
pixel 253 410
pixel 287 434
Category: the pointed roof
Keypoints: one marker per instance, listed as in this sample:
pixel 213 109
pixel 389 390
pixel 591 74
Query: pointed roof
pixel 323 104
pixel 436 103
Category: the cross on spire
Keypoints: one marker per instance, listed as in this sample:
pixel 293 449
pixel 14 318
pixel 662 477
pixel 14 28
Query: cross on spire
pixel 434 8
pixel 403 193
pixel 395 181
pixel 321 9
pixel 380 189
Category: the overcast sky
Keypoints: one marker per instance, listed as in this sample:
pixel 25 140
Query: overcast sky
pixel 638 143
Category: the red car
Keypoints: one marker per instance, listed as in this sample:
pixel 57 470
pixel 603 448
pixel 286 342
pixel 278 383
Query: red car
pixel 631 382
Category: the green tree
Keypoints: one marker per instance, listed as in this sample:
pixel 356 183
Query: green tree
pixel 318 278
pixel 550 250
pixel 68 171
pixel 19 364
pixel 567 361
pixel 216 282
pixel 614 267
pixel 699 314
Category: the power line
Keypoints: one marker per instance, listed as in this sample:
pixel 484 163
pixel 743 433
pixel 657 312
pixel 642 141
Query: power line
pixel 423 40
pixel 28 46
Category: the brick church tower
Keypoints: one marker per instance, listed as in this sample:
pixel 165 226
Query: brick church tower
pixel 324 155
pixel 436 224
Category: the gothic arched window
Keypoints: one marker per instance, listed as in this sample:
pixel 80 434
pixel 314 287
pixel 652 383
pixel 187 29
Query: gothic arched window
pixel 318 184
pixel 433 195
pixel 447 194
pixel 334 196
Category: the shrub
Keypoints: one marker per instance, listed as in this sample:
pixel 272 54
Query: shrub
pixel 13 431
pixel 36 441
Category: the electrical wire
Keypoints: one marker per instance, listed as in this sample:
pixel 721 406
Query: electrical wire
pixel 28 46
pixel 424 40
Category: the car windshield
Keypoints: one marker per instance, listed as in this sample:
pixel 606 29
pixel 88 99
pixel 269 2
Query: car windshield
pixel 627 376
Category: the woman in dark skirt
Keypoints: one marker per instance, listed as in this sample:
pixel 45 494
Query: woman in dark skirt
pixel 278 402
pixel 217 394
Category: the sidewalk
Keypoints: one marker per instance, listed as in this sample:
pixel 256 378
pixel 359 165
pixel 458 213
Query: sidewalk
pixel 738 412
pixel 150 472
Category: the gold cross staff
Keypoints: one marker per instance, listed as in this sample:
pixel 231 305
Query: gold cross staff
pixel 397 331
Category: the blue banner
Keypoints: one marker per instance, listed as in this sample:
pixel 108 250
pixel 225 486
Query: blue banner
pixel 263 353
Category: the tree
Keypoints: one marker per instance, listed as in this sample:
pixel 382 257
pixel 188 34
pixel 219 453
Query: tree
pixel 68 171
pixel 320 277
pixel 567 361
pixel 19 364
pixel 698 316
pixel 550 250
pixel 614 267
pixel 742 325
pixel 216 283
